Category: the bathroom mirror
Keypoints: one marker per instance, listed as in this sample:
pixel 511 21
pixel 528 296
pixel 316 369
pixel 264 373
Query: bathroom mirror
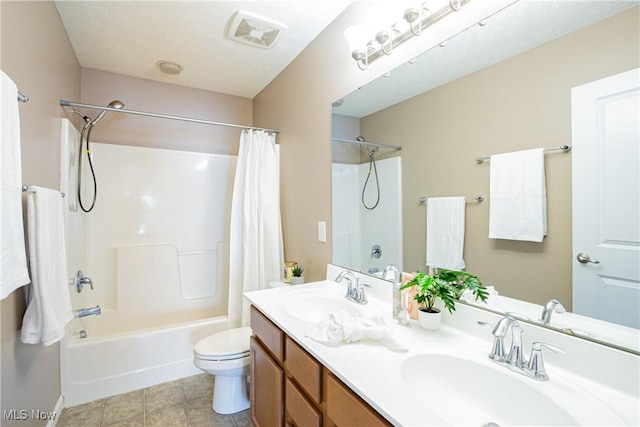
pixel 514 76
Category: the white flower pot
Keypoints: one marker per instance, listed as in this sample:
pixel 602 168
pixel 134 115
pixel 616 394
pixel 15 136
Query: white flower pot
pixel 297 280
pixel 428 320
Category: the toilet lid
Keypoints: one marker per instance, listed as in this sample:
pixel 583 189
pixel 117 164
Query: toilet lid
pixel 224 345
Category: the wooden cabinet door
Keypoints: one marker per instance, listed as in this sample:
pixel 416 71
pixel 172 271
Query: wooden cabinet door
pixel 267 388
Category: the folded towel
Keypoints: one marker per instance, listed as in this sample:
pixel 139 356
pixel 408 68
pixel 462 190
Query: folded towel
pixel 445 232
pixel 340 327
pixel 518 199
pixel 13 258
pixel 49 308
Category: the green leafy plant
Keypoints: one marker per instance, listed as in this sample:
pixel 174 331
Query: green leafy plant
pixel 448 285
pixel 297 271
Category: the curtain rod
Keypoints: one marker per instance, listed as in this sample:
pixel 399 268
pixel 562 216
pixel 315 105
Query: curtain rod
pixel 64 103
pixel 352 141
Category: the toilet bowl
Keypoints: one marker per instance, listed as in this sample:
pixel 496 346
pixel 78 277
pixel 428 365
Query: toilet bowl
pixel 226 356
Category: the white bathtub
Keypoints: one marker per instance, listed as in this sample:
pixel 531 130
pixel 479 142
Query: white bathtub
pixel 104 365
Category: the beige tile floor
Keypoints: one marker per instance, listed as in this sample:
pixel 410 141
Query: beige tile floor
pixel 181 403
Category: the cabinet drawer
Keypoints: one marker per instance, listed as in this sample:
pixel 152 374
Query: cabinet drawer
pixel 306 370
pixel 345 408
pixel 268 333
pixel 300 412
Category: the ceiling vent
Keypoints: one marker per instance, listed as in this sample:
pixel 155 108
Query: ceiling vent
pixel 254 30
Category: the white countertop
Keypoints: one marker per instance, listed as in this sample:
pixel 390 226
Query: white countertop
pixel 373 371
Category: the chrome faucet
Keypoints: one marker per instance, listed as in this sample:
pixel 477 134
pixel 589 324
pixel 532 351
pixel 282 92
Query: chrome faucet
pixel 549 308
pixel 515 359
pixel 355 289
pixel 83 312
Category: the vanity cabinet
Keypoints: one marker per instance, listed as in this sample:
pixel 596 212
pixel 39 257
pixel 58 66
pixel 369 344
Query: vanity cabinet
pixel 289 387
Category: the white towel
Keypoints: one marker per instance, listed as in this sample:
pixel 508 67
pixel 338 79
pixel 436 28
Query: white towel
pixel 445 232
pixel 49 308
pixel 518 196
pixel 340 327
pixel 13 258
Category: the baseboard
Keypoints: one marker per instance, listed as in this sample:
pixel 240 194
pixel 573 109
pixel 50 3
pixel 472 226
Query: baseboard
pixel 58 411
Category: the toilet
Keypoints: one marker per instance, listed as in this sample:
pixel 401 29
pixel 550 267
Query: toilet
pixel 226 356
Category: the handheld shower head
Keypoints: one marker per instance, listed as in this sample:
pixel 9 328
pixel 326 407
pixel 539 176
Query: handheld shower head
pixel 113 104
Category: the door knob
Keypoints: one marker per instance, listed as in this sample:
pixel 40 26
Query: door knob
pixel 585 259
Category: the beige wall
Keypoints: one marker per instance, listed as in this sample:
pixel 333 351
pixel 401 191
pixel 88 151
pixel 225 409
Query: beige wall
pixel 100 88
pixel 521 103
pixel 44 67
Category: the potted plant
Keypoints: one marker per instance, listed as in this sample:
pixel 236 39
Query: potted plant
pixel 297 277
pixel 448 286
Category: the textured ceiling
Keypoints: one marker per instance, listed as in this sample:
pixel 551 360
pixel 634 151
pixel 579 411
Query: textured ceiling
pixel 129 37
pixel 518 28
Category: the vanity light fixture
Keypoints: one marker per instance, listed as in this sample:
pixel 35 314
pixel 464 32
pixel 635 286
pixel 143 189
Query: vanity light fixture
pixel 367 44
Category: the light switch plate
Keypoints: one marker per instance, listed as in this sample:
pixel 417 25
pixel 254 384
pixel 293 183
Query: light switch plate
pixel 322 231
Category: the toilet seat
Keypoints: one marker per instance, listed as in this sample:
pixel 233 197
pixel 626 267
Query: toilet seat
pixel 226 345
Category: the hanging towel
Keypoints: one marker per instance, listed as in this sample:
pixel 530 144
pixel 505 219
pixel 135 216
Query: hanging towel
pixel 518 196
pixel 13 258
pixel 445 232
pixel 49 308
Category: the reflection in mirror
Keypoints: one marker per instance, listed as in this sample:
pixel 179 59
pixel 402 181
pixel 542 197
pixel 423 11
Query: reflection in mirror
pixel 499 88
pixel 367 201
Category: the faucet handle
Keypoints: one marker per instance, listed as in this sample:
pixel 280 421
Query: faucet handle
pixel 535 367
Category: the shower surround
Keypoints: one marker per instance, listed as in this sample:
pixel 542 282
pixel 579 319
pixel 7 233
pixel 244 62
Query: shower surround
pixel 156 247
pixel 357 230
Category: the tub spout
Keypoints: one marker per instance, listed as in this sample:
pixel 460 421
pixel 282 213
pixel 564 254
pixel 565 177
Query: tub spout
pixel 87 311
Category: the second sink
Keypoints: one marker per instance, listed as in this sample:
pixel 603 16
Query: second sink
pixel 483 395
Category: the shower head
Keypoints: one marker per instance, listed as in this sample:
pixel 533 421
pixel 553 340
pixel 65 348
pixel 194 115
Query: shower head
pixel 113 104
pixel 360 138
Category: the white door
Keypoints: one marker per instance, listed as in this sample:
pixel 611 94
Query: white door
pixel 606 199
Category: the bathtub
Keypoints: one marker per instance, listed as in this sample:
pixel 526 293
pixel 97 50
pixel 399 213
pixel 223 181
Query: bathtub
pixel 105 364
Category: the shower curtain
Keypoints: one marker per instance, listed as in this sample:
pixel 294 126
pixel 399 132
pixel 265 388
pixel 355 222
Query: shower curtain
pixel 256 251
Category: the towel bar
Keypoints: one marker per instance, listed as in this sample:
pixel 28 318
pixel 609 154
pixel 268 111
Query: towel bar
pixel 29 189
pixel 564 148
pixel 477 199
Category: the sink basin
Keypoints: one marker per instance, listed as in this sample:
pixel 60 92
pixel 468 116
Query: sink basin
pixel 465 392
pixel 314 305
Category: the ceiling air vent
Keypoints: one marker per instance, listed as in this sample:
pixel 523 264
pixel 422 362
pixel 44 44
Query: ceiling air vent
pixel 254 30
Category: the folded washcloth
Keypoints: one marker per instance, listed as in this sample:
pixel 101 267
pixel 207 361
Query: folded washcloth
pixel 49 308
pixel 340 327
pixel 13 258
pixel 445 232
pixel 518 197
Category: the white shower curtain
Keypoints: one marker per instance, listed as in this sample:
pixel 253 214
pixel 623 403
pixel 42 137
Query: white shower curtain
pixel 256 250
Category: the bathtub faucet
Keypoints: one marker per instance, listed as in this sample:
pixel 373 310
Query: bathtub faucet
pixel 81 280
pixel 87 311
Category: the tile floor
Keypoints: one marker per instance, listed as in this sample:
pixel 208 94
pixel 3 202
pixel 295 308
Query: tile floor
pixel 181 403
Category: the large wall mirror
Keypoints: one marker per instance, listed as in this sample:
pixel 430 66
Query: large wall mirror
pixel 502 86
